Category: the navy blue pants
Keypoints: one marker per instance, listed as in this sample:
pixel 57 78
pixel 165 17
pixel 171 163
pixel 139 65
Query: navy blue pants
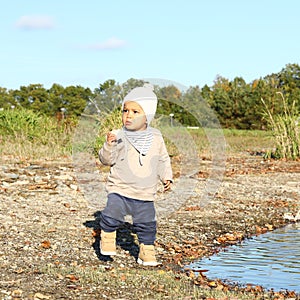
pixel 142 212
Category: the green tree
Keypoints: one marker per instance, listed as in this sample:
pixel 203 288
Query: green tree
pixel 200 112
pixel 75 99
pixel 33 97
pixel 170 103
pixel 56 97
pixel 220 101
pixel 241 103
pixel 7 100
pixel 106 98
pixel 263 88
pixel 109 95
pixel 131 84
pixel 289 83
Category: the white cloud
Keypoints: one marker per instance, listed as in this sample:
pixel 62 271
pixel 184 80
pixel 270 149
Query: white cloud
pixel 35 22
pixel 111 43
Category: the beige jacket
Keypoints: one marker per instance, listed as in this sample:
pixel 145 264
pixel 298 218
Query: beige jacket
pixel 127 176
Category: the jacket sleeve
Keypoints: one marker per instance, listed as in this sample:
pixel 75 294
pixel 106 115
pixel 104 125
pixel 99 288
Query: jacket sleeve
pixel 164 168
pixel 108 154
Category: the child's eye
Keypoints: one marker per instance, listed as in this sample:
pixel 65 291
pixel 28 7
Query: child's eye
pixel 125 110
pixel 136 111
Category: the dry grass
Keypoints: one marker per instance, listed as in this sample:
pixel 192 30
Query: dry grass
pixel 286 130
pixel 26 135
pixel 61 145
pixel 139 283
pixel 22 148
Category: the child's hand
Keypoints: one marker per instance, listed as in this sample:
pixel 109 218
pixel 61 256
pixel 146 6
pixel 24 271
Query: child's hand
pixel 111 138
pixel 167 185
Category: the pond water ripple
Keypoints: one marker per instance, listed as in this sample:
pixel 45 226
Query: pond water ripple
pixel 271 260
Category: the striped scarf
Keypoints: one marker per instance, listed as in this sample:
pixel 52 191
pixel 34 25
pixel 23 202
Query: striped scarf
pixel 140 140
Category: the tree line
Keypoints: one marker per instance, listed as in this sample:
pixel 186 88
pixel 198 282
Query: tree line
pixel 235 103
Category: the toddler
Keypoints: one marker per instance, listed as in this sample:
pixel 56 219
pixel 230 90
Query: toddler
pixel 138 159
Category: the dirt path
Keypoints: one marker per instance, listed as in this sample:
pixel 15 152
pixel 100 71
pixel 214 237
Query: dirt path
pixel 45 221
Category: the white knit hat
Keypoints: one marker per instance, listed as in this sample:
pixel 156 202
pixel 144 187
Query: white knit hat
pixel 146 98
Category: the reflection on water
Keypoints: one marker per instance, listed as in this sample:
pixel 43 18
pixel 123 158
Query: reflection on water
pixel 271 260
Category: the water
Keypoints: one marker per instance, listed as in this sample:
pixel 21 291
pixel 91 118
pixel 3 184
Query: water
pixel 271 260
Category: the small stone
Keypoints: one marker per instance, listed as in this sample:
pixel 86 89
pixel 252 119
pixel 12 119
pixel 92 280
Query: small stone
pixel 38 296
pixel 17 293
pixel 11 175
pixel 37 179
pixel 74 187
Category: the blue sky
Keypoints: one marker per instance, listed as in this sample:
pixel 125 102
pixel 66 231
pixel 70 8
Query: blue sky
pixel 189 42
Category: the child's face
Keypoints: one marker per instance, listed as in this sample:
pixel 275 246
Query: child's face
pixel 133 116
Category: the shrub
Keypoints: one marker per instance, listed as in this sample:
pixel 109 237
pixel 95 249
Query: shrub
pixel 29 134
pixel 286 130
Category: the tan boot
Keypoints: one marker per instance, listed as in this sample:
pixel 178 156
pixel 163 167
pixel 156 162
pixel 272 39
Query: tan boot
pixel 147 256
pixel 108 243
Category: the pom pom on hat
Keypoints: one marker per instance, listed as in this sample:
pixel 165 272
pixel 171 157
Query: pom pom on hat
pixel 146 98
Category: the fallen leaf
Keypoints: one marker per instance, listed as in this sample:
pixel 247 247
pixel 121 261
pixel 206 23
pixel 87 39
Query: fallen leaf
pixel 160 288
pixel 45 244
pixel 72 277
pixel 191 274
pixel 212 284
pixel 270 227
pixel 19 271
pixel 17 293
pixel 74 287
pixel 123 277
pixel 192 208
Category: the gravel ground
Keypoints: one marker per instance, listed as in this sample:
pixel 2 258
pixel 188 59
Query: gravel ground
pixel 47 225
